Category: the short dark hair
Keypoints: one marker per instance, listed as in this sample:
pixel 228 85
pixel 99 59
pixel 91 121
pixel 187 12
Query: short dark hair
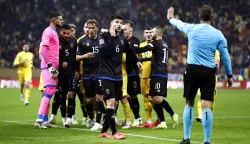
pixel 116 17
pixel 92 21
pixel 130 23
pixel 66 27
pixel 206 13
pixel 72 25
pixel 148 28
pixel 54 15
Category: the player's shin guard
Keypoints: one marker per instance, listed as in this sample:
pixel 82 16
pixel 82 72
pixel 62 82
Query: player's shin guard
pixel 27 94
pixel 167 107
pixel 159 111
pixel 89 108
pixel 111 120
pixel 135 107
pixel 126 110
pixel 187 121
pixel 207 122
pixel 56 103
pixel 148 109
pixel 71 104
pixel 199 108
pixel 99 108
pixel 63 105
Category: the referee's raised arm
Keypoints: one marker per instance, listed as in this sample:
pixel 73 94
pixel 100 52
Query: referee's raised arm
pixel 203 40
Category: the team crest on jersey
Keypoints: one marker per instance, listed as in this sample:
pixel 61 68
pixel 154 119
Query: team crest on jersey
pixel 46 39
pixel 101 41
pixel 135 45
pixel 71 45
pixel 87 44
pixel 122 42
pixel 107 91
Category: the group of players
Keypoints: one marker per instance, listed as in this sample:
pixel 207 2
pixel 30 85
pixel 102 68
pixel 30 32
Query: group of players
pixel 103 69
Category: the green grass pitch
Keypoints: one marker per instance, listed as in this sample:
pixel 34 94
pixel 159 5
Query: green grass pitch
pixel 231 122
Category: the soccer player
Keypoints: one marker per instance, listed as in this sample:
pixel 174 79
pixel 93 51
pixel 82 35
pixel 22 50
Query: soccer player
pixel 89 45
pixel 85 115
pixel 159 76
pixel 112 46
pixel 203 40
pixel 49 66
pixel 130 72
pixel 67 76
pixel 24 61
pixel 145 78
pixel 73 29
pixel 217 64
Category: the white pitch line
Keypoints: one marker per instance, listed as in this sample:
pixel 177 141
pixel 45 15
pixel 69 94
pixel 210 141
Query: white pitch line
pixel 82 129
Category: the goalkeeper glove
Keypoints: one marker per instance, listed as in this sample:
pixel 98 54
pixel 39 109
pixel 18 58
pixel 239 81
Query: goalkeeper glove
pixel 53 71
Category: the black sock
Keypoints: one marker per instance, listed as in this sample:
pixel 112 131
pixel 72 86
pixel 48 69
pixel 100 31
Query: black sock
pixel 71 103
pixel 110 115
pixel 116 108
pixel 105 126
pixel 159 111
pixel 135 107
pixel 89 108
pixel 63 105
pixel 74 107
pixel 80 96
pixel 99 107
pixel 167 107
pixel 56 103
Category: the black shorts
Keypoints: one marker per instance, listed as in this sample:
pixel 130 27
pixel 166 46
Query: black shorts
pixel 158 86
pixel 92 87
pixel 63 86
pixel 73 84
pixel 112 89
pixel 202 77
pixel 134 86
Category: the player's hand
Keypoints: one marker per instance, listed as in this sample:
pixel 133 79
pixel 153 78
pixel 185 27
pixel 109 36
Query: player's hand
pixel 139 65
pixel 230 82
pixel 112 31
pixel 103 30
pixel 77 75
pixel 170 13
pixel 64 64
pixel 53 71
pixel 90 55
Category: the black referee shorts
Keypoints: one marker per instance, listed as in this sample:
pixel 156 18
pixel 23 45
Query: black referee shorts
pixel 202 77
pixel 112 89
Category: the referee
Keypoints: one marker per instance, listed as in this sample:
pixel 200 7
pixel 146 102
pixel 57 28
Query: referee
pixel 203 40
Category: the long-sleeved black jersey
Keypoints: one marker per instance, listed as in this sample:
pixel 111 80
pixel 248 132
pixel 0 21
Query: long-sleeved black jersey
pixel 67 53
pixel 90 66
pixel 131 67
pixel 159 62
pixel 111 50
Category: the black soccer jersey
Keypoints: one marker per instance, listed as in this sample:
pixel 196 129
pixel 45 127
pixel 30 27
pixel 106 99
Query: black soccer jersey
pixel 90 66
pixel 131 67
pixel 67 53
pixel 159 60
pixel 111 50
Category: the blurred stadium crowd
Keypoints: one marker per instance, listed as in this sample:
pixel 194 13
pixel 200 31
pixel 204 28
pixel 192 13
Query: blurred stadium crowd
pixel 23 22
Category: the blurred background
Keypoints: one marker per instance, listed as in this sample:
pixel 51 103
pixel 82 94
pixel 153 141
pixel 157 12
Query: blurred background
pixel 23 21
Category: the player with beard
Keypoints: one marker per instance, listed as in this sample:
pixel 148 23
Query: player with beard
pixel 130 72
pixel 49 66
pixel 112 46
pixel 159 76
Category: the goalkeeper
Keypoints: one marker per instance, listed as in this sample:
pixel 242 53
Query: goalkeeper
pixel 49 66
